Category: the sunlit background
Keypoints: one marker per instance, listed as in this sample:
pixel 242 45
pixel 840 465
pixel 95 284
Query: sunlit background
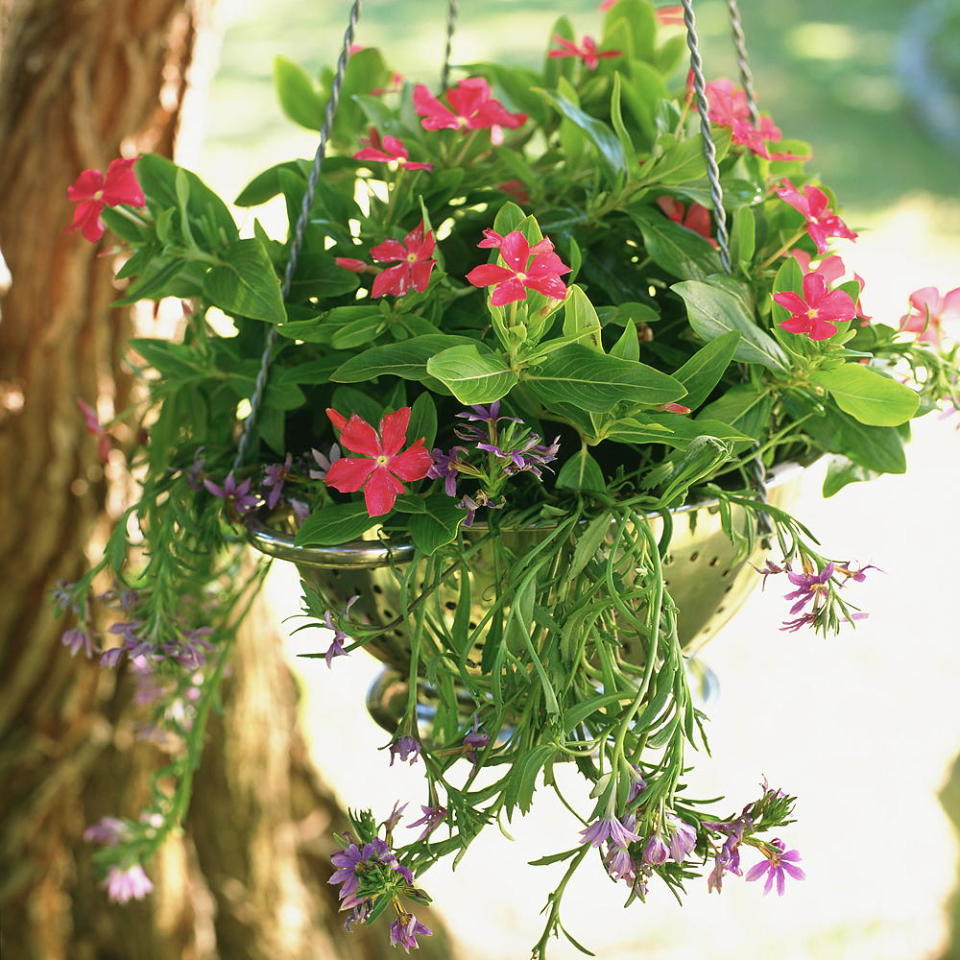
pixel 863 727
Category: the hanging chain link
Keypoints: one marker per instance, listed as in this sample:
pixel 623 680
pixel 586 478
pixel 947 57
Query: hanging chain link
pixel 709 147
pixel 299 230
pixel 743 61
pixel 452 12
pixel 756 468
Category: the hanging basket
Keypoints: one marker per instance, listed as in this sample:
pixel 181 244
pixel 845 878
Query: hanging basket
pixel 708 583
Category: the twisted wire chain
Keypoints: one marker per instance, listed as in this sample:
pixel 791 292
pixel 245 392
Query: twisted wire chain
pixel 756 468
pixel 452 12
pixel 299 230
pixel 709 147
pixel 743 61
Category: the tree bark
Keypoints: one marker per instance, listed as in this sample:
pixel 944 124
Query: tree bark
pixel 83 81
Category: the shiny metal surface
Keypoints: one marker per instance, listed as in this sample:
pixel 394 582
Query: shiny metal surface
pixel 702 576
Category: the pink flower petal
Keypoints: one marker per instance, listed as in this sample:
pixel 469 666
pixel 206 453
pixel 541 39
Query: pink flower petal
pixel 515 251
pixel 389 250
pixel 413 463
pixel 380 492
pixel 393 431
pixel 488 273
pixel 349 474
pixel 360 437
pixel 120 184
pixel 509 291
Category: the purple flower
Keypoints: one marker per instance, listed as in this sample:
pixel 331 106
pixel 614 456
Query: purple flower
pixel 301 510
pixel 390 824
pixel 353 861
pixel 110 658
pixel 683 838
pixel 76 639
pixel 108 831
pixel 129 884
pixel 619 864
pixel 489 414
pixel 403 748
pixel 475 740
pixel 859 575
pixel 807 619
pixel 122 598
pixel 472 505
pixel 607 829
pixel 339 637
pixel 810 586
pixel 432 816
pixel 191 650
pixel 529 457
pixel 65 596
pixel 324 462
pixel 769 569
pixel 275 476
pixel 236 493
pixel 655 851
pixel 637 785
pixel 775 864
pixel 195 470
pixel 444 466
pixel 405 930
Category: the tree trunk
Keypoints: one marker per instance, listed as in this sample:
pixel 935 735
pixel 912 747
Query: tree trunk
pixel 80 83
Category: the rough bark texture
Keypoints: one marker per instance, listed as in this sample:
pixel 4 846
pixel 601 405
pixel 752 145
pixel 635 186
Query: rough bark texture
pixel 82 81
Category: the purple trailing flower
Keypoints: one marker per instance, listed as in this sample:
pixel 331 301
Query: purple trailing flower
pixel 353 861
pixel 810 586
pixel 445 467
pixel 403 748
pixel 324 461
pixel 405 930
pixel 805 620
pixel 858 575
pixel 775 864
pixel 619 864
pixel 477 502
pixel 339 637
pixel 475 740
pixel 275 476
pixel 301 510
pixel 390 824
pixel 195 471
pixel 683 838
pixel 770 569
pixel 235 493
pixel 191 650
pixel 608 829
pixel 122 598
pixel 147 689
pixel 76 639
pixel 655 851
pixel 129 884
pixel 529 457
pixel 431 819
pixel 637 785
pixel 490 414
pixel 108 831
pixel 65 596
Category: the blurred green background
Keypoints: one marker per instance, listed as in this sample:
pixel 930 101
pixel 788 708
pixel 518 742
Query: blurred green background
pixel 828 73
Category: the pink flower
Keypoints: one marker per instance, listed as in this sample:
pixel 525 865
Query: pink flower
pixel 92 191
pixel 353 265
pixel 471 108
pixel 728 107
pixel 816 312
pixel 927 312
pixel 379 472
pixel 94 428
pixel 129 884
pixel 695 217
pixel 670 16
pixel 812 202
pixel 831 269
pixel 541 273
pixel 515 189
pixel 587 51
pixel 415 264
pixel 387 150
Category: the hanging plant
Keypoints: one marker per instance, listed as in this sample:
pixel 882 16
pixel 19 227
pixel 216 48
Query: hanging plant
pixel 524 393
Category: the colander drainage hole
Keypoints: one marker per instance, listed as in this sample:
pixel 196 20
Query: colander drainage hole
pixel 377 588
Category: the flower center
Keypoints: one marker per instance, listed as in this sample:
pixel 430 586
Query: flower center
pixel 521 277
pixel 98 195
pixel 411 258
pixel 462 122
pixel 382 460
pixel 813 313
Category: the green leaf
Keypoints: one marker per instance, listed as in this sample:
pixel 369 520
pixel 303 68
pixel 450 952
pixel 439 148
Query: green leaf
pixel 407 359
pixel 423 420
pixel 580 319
pixel 713 311
pixel 875 448
pixel 591 381
pixel 628 346
pixel 264 186
pixel 588 543
pixel 743 238
pixel 319 276
pixel 868 396
pixel 299 98
pixel 640 430
pixel 472 376
pixel 247 285
pixel 679 251
pixel 636 20
pixel 359 331
pixel 437 525
pixel 581 472
pixel 841 471
pixel 743 407
pixel 350 400
pixel 685 161
pixel 609 149
pixel 702 372
pixel 335 524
